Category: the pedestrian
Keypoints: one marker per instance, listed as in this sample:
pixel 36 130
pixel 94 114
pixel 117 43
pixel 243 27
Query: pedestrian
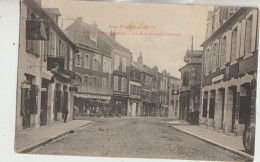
pixel 65 114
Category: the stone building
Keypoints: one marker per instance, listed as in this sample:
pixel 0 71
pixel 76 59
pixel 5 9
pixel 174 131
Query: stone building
pixel 230 69
pixel 190 90
pixel 163 93
pixel 118 61
pixel 44 68
pixel 135 100
pixel 92 65
pixel 174 104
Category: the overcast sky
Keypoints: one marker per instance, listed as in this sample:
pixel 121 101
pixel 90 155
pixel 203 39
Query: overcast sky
pixel 166 52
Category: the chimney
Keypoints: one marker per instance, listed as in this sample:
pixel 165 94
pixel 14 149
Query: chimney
pixel 140 59
pixel 93 32
pixel 79 25
pixel 113 35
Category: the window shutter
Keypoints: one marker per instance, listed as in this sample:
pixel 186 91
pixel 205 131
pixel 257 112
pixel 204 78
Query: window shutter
pixel 238 41
pixel 254 29
pixel 228 45
pixel 243 32
pixel 219 53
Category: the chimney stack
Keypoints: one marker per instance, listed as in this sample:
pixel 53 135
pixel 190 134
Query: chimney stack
pixel 93 32
pixel 79 25
pixel 140 59
pixel 113 35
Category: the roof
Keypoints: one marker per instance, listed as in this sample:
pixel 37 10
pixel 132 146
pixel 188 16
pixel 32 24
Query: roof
pixel 142 68
pixel 107 38
pixel 52 11
pixel 85 42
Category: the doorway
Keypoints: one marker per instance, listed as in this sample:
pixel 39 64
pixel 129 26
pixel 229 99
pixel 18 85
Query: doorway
pixel 44 101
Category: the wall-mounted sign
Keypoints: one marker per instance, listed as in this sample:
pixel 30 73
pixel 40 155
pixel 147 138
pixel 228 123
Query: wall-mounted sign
pixel 217 78
pixel 37 30
pixel 55 64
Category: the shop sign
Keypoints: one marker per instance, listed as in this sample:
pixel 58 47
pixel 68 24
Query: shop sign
pixel 55 64
pixel 217 78
pixel 37 30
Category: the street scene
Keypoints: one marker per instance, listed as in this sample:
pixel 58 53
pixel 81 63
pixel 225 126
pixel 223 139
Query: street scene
pixel 97 79
pixel 136 138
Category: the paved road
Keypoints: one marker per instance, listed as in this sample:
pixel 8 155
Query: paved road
pixel 135 138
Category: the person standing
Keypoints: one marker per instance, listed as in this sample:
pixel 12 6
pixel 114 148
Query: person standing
pixel 65 114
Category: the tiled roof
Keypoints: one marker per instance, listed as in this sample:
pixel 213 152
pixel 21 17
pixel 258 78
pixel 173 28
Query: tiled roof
pixel 83 40
pixel 107 38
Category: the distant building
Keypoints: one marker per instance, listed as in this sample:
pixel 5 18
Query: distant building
pixel 163 93
pixel 230 69
pixel 148 104
pixel 190 91
pixel 157 98
pixel 174 86
pixel 134 109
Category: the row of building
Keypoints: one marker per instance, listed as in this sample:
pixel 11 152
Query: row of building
pixel 219 82
pixel 83 67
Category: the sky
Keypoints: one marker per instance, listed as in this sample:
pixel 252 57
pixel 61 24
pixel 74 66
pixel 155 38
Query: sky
pixel 175 23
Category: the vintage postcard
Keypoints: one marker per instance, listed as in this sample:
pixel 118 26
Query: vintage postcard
pixel 137 80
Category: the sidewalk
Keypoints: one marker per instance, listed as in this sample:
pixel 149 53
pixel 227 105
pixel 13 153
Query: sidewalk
pixel 28 139
pixel 228 142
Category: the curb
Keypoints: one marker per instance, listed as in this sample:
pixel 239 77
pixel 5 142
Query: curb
pixel 31 147
pixel 218 145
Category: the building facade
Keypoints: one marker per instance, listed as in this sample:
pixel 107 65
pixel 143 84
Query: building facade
pixel 230 69
pixel 134 109
pixel 116 59
pixel 44 68
pixel 174 104
pixel 190 91
pixel 163 93
pixel 93 68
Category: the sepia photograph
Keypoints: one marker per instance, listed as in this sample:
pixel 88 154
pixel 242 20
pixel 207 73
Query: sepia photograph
pixel 136 80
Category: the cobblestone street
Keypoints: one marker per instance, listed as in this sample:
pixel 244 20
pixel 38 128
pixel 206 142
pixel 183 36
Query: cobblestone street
pixel 135 138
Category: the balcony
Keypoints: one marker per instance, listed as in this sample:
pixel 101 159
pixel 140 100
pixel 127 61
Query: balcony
pixel 94 90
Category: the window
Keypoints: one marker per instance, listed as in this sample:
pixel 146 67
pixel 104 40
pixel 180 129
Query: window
pixel 223 51
pixel 78 60
pixel 116 83
pixel 86 61
pixel 46 50
pixel 217 22
pixel 104 83
pixel 224 14
pixel 104 66
pixel 94 81
pixel 52 43
pixel 233 45
pixel 209 60
pixel 213 23
pixel 248 35
pixel 85 81
pixel 185 78
pixel 117 62
pixel 215 56
pixel 95 64
pixel 124 64
pixel 123 84
pixel 32 46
